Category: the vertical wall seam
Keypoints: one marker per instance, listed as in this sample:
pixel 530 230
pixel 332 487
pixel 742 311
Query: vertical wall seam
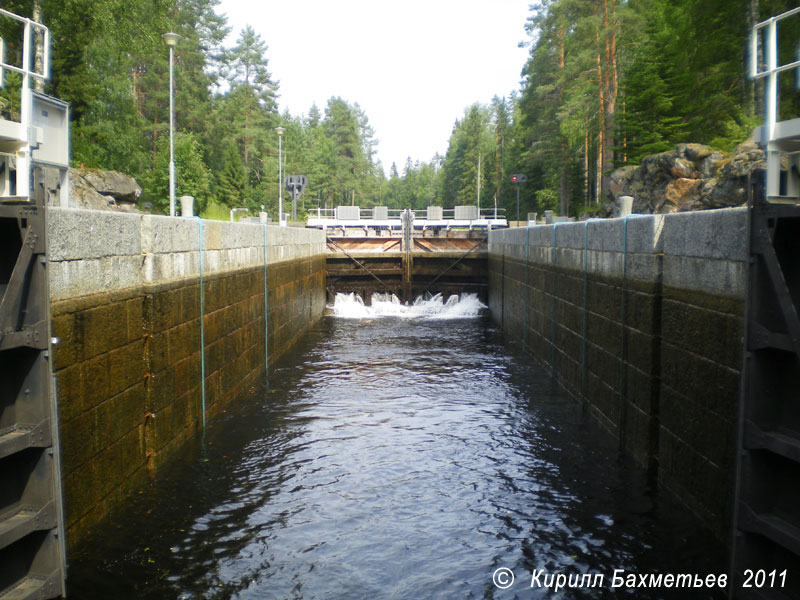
pixel 527 289
pixel 585 308
pixel 655 394
pixel 266 313
pixel 202 331
pixel 503 288
pixel 554 261
pixel 623 409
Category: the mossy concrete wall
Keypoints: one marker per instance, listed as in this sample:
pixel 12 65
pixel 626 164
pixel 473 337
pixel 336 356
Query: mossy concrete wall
pixel 126 306
pixel 642 320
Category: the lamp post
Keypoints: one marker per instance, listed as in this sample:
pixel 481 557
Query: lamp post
pixel 280 131
pixel 170 39
pixel 519 178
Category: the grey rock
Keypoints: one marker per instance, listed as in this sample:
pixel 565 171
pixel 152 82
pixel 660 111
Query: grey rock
pixel 690 177
pixel 103 190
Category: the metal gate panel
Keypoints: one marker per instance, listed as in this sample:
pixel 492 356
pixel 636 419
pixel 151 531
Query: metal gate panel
pixel 32 551
pixel 766 536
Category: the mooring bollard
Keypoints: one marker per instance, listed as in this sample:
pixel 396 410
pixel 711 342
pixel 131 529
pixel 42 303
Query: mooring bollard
pixel 624 206
pixel 187 206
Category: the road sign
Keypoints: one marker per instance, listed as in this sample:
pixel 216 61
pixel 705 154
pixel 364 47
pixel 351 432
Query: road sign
pixel 296 184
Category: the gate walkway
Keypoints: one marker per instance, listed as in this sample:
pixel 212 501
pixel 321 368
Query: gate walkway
pixel 766 530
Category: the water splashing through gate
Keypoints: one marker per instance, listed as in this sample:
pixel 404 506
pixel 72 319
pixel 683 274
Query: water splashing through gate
pixel 351 306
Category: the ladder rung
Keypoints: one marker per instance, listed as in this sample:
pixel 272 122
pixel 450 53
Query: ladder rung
pixel 762 338
pixel 14 199
pixel 24 436
pixel 785 443
pixel 33 588
pixel 772 527
pixel 25 520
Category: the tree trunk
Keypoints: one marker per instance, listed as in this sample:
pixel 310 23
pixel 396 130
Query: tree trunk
pixel 756 87
pixel 245 138
pixel 496 162
pixel 586 163
pixel 601 130
pixel 563 184
pixel 38 45
pixel 613 87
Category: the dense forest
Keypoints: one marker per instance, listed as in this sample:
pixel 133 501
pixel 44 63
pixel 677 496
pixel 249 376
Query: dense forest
pixel 606 83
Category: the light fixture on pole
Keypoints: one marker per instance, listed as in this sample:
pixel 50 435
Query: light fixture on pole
pixel 519 178
pixel 170 39
pixel 280 131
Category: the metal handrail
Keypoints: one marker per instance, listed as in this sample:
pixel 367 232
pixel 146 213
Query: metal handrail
pixel 771 71
pixel 25 70
pixel 366 214
pixel 771 23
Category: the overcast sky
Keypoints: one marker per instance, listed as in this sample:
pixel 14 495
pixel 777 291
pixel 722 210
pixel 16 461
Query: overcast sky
pixel 412 66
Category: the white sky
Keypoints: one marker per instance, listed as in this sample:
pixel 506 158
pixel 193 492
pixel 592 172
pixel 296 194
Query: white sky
pixel 412 66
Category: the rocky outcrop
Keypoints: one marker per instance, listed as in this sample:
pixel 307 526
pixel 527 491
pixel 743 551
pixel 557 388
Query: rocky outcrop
pixel 103 190
pixel 691 177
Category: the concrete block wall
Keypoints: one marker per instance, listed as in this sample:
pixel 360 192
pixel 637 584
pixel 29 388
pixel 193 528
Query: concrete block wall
pixel 641 319
pixel 125 293
pixel 94 251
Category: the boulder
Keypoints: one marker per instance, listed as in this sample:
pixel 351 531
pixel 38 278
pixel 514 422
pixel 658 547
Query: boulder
pixel 103 190
pixel 619 181
pixel 690 177
pixel 681 194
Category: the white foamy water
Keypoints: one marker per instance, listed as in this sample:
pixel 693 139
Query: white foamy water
pixel 351 306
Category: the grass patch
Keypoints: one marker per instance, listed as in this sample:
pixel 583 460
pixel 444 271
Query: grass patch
pixel 216 212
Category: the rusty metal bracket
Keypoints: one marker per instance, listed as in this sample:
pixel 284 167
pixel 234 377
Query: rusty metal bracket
pixel 361 265
pixel 454 263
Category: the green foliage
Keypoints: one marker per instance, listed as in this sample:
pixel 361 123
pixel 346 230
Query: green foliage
pixel 465 165
pixel 192 177
pixel 607 82
pixel 216 212
pixel 733 132
pixel 9 96
pixel 611 81
pixel 232 186
pixel 546 199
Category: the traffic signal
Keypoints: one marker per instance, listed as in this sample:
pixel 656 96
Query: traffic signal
pixel 519 178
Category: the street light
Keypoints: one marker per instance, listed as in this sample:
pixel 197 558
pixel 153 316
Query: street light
pixel 519 178
pixel 170 39
pixel 280 131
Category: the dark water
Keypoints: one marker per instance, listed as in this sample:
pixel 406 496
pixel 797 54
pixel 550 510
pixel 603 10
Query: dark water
pixel 394 458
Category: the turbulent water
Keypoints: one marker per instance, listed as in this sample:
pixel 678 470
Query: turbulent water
pixel 400 452
pixel 351 306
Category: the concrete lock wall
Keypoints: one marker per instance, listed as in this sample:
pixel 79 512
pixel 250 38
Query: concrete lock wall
pixel 125 303
pixel 642 320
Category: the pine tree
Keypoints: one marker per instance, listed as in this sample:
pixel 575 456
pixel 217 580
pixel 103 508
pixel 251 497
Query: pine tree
pixel 232 185
pixel 253 100
pixel 342 127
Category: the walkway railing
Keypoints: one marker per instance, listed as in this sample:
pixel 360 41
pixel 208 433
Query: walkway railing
pixel 15 137
pixel 389 218
pixel 779 137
